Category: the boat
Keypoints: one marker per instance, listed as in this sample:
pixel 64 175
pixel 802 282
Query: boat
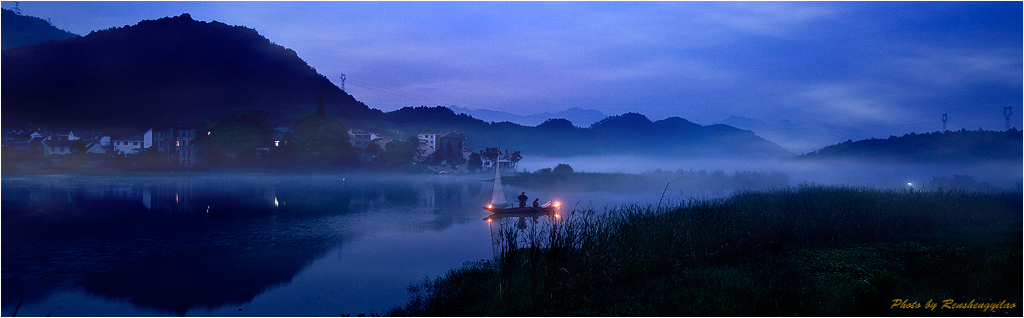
pixel 501 208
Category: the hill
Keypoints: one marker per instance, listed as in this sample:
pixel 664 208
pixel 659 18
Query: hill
pixel 578 116
pixel 936 147
pixel 176 70
pixel 164 72
pixel 18 30
pixel 629 133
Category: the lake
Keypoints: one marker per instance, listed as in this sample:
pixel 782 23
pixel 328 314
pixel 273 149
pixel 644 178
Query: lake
pixel 243 245
pixel 210 244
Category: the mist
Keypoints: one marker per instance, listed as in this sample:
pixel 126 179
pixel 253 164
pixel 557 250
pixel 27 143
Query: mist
pixel 1000 174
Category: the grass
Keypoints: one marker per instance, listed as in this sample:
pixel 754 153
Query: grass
pixel 811 250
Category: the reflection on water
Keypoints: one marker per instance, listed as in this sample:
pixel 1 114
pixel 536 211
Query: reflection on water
pixel 221 245
pixel 179 244
pixel 519 230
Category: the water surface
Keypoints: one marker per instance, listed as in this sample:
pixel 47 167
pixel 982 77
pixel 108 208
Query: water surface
pixel 245 245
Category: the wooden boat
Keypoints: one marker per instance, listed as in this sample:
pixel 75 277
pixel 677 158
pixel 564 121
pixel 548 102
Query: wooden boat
pixel 501 208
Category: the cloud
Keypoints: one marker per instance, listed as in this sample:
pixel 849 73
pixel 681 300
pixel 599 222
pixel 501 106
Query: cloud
pixel 958 67
pixel 847 104
pixel 775 19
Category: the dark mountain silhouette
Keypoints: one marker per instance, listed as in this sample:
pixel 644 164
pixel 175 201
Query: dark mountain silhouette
pixel 579 116
pixel 634 133
pixel 164 72
pixel 177 70
pixel 961 146
pixel 18 30
pixel 629 133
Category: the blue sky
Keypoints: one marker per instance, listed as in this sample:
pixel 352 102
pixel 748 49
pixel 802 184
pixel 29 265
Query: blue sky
pixel 886 67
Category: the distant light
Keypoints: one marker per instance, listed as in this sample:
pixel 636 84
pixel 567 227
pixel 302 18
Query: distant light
pixel 490 206
pixel 207 133
pixel 488 220
pixel 910 184
pixel 277 143
pixel 558 204
pixel 558 216
pixel 275 202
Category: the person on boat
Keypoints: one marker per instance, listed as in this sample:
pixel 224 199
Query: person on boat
pixel 536 203
pixel 522 200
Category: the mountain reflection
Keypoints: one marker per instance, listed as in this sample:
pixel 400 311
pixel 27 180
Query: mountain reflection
pixel 176 244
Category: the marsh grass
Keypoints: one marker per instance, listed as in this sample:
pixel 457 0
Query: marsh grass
pixel 810 250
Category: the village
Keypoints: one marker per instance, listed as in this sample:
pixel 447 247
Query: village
pixel 175 148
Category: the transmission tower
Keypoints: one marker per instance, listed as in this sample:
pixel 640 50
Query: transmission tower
pixel 342 82
pixel 1007 111
pixel 944 120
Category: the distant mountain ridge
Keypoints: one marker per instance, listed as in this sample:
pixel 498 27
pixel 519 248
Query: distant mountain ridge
pixel 176 70
pixel 578 116
pixel 961 146
pixel 19 30
pixel 799 137
pixel 629 133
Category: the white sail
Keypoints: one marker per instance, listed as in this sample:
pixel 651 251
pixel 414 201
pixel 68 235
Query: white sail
pixel 497 195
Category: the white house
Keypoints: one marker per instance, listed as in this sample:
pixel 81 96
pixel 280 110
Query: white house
pixel 360 138
pixel 429 139
pixel 100 146
pixel 58 147
pixel 128 145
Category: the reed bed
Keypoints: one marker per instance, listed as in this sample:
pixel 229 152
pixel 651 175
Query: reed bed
pixel 808 250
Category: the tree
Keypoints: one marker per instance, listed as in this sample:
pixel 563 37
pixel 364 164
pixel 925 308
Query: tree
pixel 491 154
pixel 398 153
pixel 453 154
pixel 514 159
pixel 562 169
pixel 474 163
pixel 321 140
pixel 77 148
pixel 232 139
pixel 373 149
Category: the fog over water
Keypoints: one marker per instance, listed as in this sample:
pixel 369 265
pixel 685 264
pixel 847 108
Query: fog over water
pixel 330 244
pixel 1002 174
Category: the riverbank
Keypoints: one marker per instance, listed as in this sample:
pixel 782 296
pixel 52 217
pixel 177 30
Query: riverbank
pixel 809 251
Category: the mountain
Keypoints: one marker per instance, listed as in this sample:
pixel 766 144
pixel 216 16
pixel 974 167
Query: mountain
pixel 177 70
pixel 18 30
pixel 635 133
pixel 578 116
pixel 961 146
pixel 629 133
pixel 165 72
pixel 799 137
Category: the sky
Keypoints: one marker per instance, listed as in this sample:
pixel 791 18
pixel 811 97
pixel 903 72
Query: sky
pixel 889 68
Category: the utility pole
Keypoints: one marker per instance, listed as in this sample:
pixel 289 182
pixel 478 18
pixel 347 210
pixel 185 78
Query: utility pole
pixel 944 120
pixel 1007 111
pixel 342 82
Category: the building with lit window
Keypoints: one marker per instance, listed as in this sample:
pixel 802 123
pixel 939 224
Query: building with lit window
pixel 175 144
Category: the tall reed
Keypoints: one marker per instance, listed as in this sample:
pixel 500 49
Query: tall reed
pixel 586 261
